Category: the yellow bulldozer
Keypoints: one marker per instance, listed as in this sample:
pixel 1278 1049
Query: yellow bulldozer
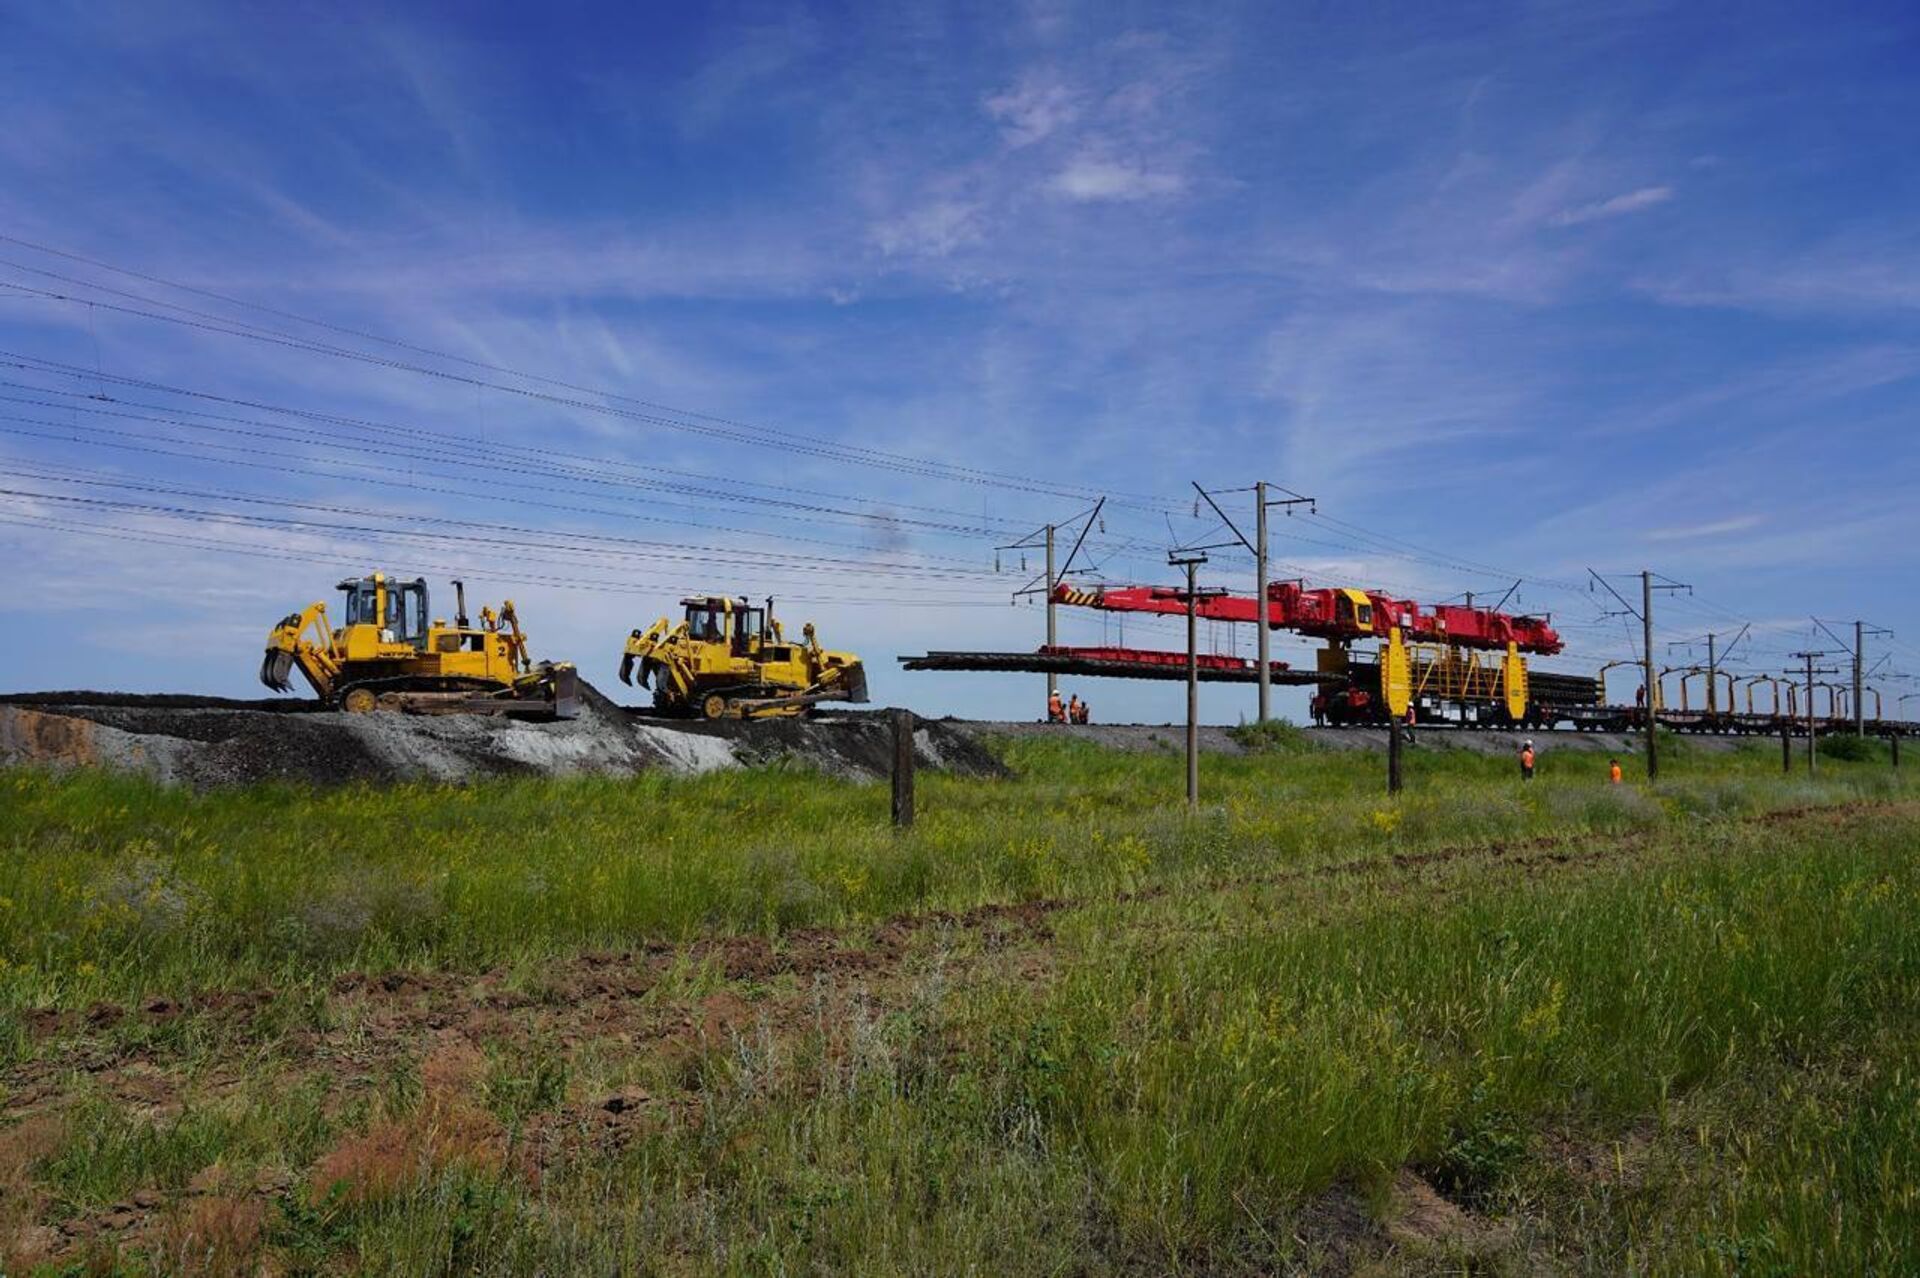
pixel 388 655
pixel 727 659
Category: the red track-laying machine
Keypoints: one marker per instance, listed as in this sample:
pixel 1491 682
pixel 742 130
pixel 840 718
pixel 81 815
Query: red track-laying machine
pixel 1444 650
pixel 1336 614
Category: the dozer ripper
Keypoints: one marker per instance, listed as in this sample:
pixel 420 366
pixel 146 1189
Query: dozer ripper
pixel 730 660
pixel 387 655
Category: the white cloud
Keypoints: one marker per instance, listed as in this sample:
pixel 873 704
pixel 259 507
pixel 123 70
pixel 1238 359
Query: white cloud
pixel 1717 528
pixel 1032 110
pixel 1088 178
pixel 1645 197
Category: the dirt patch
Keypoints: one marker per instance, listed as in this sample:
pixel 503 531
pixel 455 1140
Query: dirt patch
pixel 1417 1219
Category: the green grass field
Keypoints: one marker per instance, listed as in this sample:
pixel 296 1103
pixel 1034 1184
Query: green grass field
pixel 736 1024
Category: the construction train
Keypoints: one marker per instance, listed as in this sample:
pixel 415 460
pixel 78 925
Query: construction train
pixel 1433 664
pixel 725 659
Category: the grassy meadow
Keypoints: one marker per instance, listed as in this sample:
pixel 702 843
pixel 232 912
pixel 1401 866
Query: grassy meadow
pixel 735 1024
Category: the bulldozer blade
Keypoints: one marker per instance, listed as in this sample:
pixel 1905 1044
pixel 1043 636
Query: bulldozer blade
pixel 566 692
pixel 274 669
pixel 857 684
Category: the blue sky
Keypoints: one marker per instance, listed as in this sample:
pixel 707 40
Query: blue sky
pixel 1512 289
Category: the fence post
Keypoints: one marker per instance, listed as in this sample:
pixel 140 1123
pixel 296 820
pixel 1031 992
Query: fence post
pixel 902 768
pixel 1393 755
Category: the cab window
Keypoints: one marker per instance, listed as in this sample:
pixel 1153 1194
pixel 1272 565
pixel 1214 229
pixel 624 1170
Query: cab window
pixel 747 628
pixel 360 606
pixel 413 615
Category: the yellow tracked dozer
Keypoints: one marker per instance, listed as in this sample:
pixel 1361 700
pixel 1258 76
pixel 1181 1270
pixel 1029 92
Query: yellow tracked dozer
pixel 388 656
pixel 729 660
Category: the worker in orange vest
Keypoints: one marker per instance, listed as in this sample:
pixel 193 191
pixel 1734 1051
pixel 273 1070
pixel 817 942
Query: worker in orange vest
pixel 1526 761
pixel 1073 708
pixel 1613 771
pixel 1056 710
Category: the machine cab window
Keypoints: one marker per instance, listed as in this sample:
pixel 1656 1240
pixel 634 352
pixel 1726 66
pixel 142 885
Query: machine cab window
pixel 706 622
pixel 362 603
pixel 748 625
pixel 407 612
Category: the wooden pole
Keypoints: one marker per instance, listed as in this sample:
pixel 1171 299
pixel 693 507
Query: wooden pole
pixel 902 768
pixel 1394 734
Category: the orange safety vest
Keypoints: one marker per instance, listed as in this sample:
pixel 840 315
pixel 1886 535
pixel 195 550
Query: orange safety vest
pixel 1526 758
pixel 1613 771
pixel 1054 710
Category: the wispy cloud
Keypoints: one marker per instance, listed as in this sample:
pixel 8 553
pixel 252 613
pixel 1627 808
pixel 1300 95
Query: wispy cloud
pixel 1694 532
pixel 1864 269
pixel 1645 197
pixel 1089 178
pixel 1039 106
pixel 935 229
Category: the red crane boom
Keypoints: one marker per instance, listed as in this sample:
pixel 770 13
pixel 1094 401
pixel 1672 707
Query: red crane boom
pixel 1336 613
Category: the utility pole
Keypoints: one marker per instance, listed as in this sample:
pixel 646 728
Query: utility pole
pixel 1193 696
pixel 1053 631
pixel 1860 632
pixel 1258 546
pixel 1261 639
pixel 1645 612
pixel 1646 626
pixel 1713 679
pixel 1045 536
pixel 1859 652
pixel 1810 658
pixel 1859 702
pixel 1191 561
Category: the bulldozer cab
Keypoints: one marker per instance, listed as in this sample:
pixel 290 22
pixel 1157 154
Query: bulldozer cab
pixel 397 608
pixel 738 625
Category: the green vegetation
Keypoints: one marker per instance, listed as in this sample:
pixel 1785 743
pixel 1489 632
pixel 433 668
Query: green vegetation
pixel 1060 1026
